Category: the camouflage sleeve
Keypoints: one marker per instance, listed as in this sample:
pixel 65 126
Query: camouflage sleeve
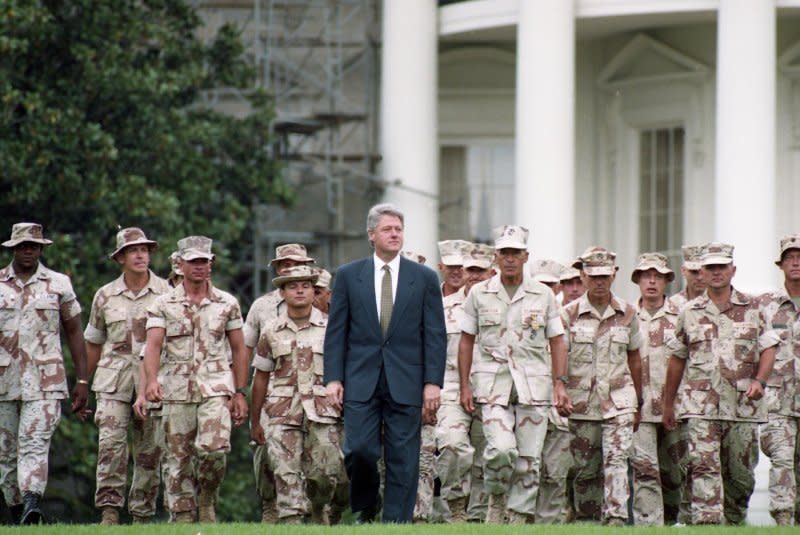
pixel 95 331
pixel 469 319
pixel 565 324
pixel 263 360
pixel 554 325
pixel 250 329
pixel 155 315
pixel 676 344
pixel 69 301
pixel 234 317
pixel 768 336
pixel 635 340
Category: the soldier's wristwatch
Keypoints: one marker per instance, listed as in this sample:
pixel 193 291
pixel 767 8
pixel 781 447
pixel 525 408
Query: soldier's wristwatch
pixel 242 391
pixel 563 379
pixel 762 383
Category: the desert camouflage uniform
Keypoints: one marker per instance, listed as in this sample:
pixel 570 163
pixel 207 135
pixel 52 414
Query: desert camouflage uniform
pixel 305 438
pixel 513 382
pixel 656 455
pixel 117 323
pixel 722 349
pixel 551 505
pixel 197 382
pixel 604 404
pixel 423 507
pixel 459 434
pixel 780 436
pixel 33 380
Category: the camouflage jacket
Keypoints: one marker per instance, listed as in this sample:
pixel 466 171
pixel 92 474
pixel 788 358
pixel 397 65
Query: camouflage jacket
pixel 655 329
pixel 31 362
pixel 599 380
pixel 195 364
pixel 783 387
pixel 263 310
pixel 117 323
pixel 293 357
pixel 453 314
pixel 512 336
pixel 722 348
pixel 679 299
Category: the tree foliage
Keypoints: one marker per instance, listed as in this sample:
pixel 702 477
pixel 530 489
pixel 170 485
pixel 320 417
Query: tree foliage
pixel 102 123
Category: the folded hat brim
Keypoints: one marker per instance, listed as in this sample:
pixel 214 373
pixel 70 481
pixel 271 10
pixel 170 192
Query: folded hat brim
pixel 641 269
pixel 280 281
pixel 14 243
pixel 296 258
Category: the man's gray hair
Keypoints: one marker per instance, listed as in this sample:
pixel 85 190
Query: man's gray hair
pixel 375 213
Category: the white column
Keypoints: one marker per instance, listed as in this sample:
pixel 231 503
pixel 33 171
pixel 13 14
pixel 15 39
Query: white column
pixel 744 203
pixel 409 140
pixel 545 127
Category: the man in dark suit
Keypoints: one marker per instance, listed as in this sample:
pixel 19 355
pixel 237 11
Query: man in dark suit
pixel 385 349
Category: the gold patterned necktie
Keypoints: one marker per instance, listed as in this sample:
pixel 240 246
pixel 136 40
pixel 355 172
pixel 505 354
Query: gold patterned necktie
pixel 386 300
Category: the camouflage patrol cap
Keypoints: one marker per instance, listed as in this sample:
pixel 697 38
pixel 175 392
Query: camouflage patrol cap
pixel 510 237
pixel 296 273
pixel 715 253
pixel 173 260
pixel 131 236
pixel 546 271
pixel 790 241
pixel 22 232
pixel 479 255
pixel 414 257
pixel 598 262
pixel 193 247
pixel 452 251
pixel 647 261
pixel 569 273
pixel 691 256
pixel 291 251
pixel 578 263
pixel 323 278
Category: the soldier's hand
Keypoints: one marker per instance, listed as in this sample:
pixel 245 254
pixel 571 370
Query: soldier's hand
pixel 257 433
pixel 154 392
pixel 238 409
pixel 466 399
pixel 140 407
pixel 80 395
pixel 637 419
pixel 561 399
pixel 335 394
pixel 755 391
pixel 668 419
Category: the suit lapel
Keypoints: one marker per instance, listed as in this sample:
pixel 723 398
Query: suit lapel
pixel 405 289
pixel 366 278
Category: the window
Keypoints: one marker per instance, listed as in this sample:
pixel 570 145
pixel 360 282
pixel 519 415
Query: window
pixel 661 193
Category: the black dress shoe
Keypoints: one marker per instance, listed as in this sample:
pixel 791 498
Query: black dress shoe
pixel 16 513
pixel 367 516
pixel 31 514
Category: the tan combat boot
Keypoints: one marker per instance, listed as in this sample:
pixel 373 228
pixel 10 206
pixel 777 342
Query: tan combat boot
pixel 318 515
pixel 518 518
pixel 269 512
pixel 184 517
pixel 110 516
pixel 292 519
pixel 136 519
pixel 206 511
pixel 458 510
pixel 783 518
pixel 497 509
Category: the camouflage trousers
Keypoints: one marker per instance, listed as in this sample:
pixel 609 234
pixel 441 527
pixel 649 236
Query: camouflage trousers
pixel 657 474
pixel 423 508
pixel 513 455
pixel 262 467
pixel 779 442
pixel 460 440
pixel 113 418
pixel 551 505
pixel 722 456
pixel 26 428
pixel 198 439
pixel 685 507
pixel 600 450
pixel 308 465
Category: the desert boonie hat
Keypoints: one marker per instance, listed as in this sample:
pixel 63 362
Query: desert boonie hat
pixel 296 273
pixel 291 251
pixel 30 232
pixel 131 236
pixel 323 278
pixel 647 261
pixel 791 241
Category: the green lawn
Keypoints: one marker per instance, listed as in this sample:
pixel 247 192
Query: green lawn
pixel 438 529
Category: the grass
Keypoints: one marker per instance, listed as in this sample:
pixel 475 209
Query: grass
pixel 438 529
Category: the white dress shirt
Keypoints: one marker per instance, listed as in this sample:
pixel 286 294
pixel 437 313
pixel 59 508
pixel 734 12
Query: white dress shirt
pixel 394 268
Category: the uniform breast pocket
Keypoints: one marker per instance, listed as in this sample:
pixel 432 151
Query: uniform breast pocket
pixel 282 354
pixel 179 340
pixel 581 345
pixel 746 337
pixel 117 325
pixel 620 337
pixel 47 314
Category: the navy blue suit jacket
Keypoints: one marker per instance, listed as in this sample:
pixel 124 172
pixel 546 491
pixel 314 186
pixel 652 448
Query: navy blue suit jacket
pixel 415 348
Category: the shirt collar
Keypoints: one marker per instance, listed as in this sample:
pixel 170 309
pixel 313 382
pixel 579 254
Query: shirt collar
pixel 394 264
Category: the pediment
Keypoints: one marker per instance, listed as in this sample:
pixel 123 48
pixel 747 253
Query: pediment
pixel 646 60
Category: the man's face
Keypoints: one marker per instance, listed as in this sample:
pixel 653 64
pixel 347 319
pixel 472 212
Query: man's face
pixel 283 266
pixel 322 298
pixel 790 265
pixel 652 283
pixel 134 258
pixel 453 275
pixel 598 287
pixel 387 236
pixel 476 274
pixel 298 293
pixel 511 261
pixel 196 270
pixel 694 280
pixel 572 289
pixel 718 276
pixel 27 253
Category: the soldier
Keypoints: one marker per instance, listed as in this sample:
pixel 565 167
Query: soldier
pixel 513 317
pixel 551 504
pixel 571 284
pixel 729 347
pixel 322 291
pixel 780 440
pixel 305 440
pixel 450 265
pixel 459 434
pixel 115 336
pixel 37 303
pixel 690 269
pixel 263 310
pixel 656 452
pixel 199 326
pixel 604 384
